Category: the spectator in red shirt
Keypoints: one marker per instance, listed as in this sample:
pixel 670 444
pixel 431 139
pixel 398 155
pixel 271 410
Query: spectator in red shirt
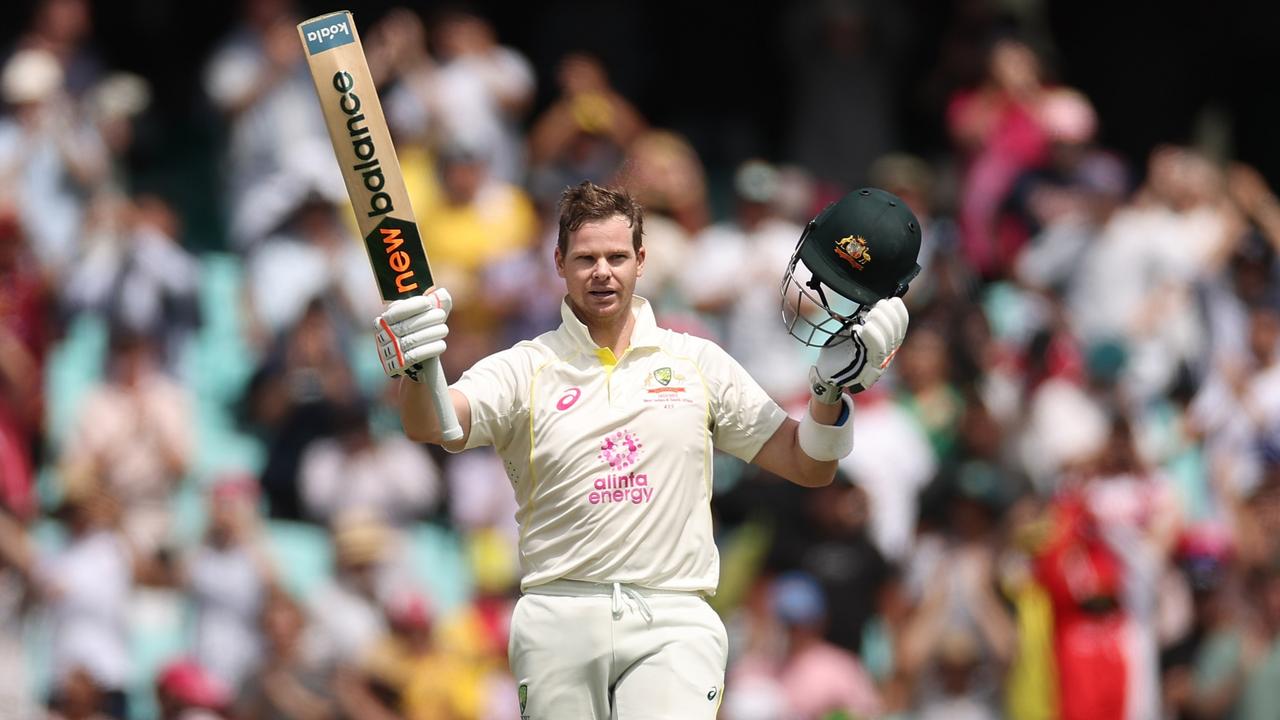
pixel 24 333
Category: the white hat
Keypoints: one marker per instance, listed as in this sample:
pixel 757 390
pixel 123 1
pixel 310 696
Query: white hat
pixel 30 76
pixel 756 181
pixel 120 95
pixel 1068 116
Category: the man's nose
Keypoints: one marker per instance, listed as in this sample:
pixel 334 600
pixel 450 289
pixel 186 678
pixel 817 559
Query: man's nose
pixel 601 269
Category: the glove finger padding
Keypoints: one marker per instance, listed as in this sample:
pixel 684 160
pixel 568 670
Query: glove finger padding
pixel 898 314
pixel 876 339
pixel 395 364
pixel 858 354
pixel 412 331
pixel 897 320
pixel 414 323
pixel 419 355
pixel 422 337
pixel 408 307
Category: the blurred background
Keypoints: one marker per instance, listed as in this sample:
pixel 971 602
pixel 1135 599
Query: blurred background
pixel 1065 497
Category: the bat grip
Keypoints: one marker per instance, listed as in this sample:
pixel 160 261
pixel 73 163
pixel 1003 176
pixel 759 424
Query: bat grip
pixel 434 376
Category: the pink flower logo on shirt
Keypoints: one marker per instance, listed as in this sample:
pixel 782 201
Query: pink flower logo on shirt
pixel 621 449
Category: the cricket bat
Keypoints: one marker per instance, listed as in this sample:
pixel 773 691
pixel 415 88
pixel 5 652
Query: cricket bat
pixel 362 144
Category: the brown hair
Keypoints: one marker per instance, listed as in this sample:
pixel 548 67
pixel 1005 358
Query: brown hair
pixel 588 202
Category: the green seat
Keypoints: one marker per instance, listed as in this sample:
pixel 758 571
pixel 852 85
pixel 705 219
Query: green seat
pixel 73 367
pixel 440 564
pixel 302 554
pixel 159 626
pixel 218 363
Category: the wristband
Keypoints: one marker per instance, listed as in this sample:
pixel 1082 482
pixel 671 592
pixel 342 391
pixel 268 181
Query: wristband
pixel 828 442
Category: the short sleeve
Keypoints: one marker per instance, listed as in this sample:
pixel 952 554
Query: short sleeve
pixel 744 415
pixel 497 389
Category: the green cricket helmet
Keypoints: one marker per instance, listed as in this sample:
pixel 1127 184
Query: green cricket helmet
pixel 855 253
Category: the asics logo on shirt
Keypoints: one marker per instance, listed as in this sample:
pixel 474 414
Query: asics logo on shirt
pixel 569 398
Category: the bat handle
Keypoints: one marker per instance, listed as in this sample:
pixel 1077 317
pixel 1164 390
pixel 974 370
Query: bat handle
pixel 449 427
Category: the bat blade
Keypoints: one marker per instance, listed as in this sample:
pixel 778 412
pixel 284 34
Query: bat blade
pixel 362 145
pixel 371 171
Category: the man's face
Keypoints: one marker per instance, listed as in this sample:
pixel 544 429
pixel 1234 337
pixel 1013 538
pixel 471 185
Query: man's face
pixel 600 268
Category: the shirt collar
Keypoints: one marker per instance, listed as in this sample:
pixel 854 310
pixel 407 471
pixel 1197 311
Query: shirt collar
pixel 643 334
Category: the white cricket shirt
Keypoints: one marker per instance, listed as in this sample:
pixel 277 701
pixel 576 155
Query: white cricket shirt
pixel 611 457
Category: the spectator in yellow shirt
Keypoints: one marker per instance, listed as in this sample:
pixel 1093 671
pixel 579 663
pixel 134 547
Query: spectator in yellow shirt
pixel 473 221
pixel 405 675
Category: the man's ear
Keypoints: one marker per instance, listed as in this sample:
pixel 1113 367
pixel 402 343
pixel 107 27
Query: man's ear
pixel 559 262
pixel 640 262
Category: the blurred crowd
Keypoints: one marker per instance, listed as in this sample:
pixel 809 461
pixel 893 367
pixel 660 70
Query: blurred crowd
pixel 1064 501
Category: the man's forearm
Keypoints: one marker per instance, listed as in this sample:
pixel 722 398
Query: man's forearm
pixel 813 473
pixel 417 414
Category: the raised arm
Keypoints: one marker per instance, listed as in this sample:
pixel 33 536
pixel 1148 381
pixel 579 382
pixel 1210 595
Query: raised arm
pixel 806 452
pixel 418 415
pixel 783 456
pixel 409 333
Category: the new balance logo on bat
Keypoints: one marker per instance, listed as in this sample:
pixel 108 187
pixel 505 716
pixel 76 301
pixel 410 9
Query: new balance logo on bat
pixel 362 145
pixel 399 262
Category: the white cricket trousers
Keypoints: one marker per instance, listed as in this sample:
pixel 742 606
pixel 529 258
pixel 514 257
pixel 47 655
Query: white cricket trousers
pixel 589 651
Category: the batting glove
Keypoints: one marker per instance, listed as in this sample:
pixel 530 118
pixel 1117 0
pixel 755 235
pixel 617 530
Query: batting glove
pixel 857 355
pixel 412 331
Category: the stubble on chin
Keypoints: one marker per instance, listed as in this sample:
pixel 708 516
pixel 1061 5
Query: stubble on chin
pixel 597 314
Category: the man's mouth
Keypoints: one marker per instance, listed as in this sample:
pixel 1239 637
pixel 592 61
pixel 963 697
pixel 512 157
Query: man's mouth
pixel 601 293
